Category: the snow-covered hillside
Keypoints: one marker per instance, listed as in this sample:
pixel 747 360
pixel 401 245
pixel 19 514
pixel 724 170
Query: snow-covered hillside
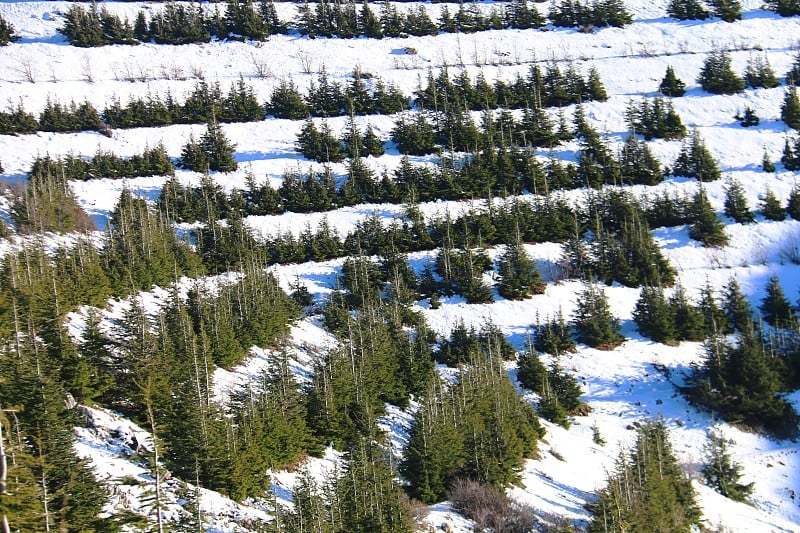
pixel 634 381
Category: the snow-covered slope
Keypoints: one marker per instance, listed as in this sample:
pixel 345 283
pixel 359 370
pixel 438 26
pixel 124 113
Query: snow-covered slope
pixel 621 386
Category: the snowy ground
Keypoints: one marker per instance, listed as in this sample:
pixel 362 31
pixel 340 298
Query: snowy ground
pixel 621 386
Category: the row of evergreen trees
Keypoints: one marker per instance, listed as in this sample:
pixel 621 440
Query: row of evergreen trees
pixel 151 162
pixel 55 117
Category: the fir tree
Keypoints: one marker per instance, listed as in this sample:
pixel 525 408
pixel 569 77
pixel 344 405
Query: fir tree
pixel 593 322
pixel 554 336
pixel 759 73
pixel 775 307
pixel 793 204
pixel 647 491
pixel 704 224
pixel 736 203
pixel 720 471
pixel 748 119
pixel 696 161
pixel 717 76
pixel 785 8
pixel 7 33
pixel 766 163
pixel 790 109
pixel 687 10
pixel 771 206
pixel 654 316
pixel 727 10
pixel 671 85
pixel 737 308
pixel 689 319
pixel 519 276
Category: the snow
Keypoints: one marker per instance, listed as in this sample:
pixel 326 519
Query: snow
pixel 622 386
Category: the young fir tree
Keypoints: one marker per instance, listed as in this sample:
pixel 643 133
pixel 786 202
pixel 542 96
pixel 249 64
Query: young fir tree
pixel 519 276
pixel 775 307
pixel 647 491
pixel 687 10
pixel 704 225
pixel 784 8
pixel 748 119
pixel 790 109
pixel 759 73
pixel 766 163
pixel 553 336
pixel 654 316
pixel 717 76
pixel 671 85
pixel 793 204
pixel 727 10
pixel 720 471
pixel 736 203
pixel 696 161
pixel 737 308
pixel 7 32
pixel 593 322
pixel 771 206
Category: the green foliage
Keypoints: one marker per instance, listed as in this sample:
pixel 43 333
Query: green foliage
pixel 57 117
pixel 790 109
pixel 775 307
pixel 727 10
pixel 771 206
pixel 559 392
pixel 696 161
pixel 705 226
pixel 553 336
pixel 736 203
pixel 593 322
pixel 7 32
pixel 17 120
pixel 93 27
pixel 687 10
pixel 784 8
pixel 671 85
pixel 214 152
pixel 570 13
pixel 759 73
pixel 656 120
pixel 477 429
pixel 741 382
pixel 717 77
pixel 638 165
pixel 719 470
pixel 519 276
pixel 748 119
pixel 647 491
pixel 47 203
pixel 653 315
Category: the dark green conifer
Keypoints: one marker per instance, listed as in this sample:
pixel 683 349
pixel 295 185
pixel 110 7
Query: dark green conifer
pixel 593 322
pixel 671 85
pixel 720 471
pixel 705 226
pixel 771 206
pixel 736 203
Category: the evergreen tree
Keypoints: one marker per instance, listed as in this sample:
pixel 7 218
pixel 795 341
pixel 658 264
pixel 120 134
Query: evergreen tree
pixel 790 109
pixel 638 165
pixel 766 164
pixel 749 118
pixel 736 203
pixel 775 307
pixel 696 161
pixel 7 32
pixel 793 204
pixel 287 102
pixel 704 224
pixel 671 85
pixel 717 76
pixel 785 8
pixel 793 74
pixel 554 336
pixel 689 319
pixel 771 206
pixel 687 10
pixel 719 470
pixel 759 73
pixel 593 322
pixel 727 10
pixel 737 308
pixel 519 276
pixel 647 491
pixel 654 316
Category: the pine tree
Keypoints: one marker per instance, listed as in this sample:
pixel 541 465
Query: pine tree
pixel 554 336
pixel 771 206
pixel 785 8
pixel 593 322
pixel 736 203
pixel 704 225
pixel 790 109
pixel 775 307
pixel 717 76
pixel 671 85
pixel 766 164
pixel 749 119
pixel 793 204
pixel 719 470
